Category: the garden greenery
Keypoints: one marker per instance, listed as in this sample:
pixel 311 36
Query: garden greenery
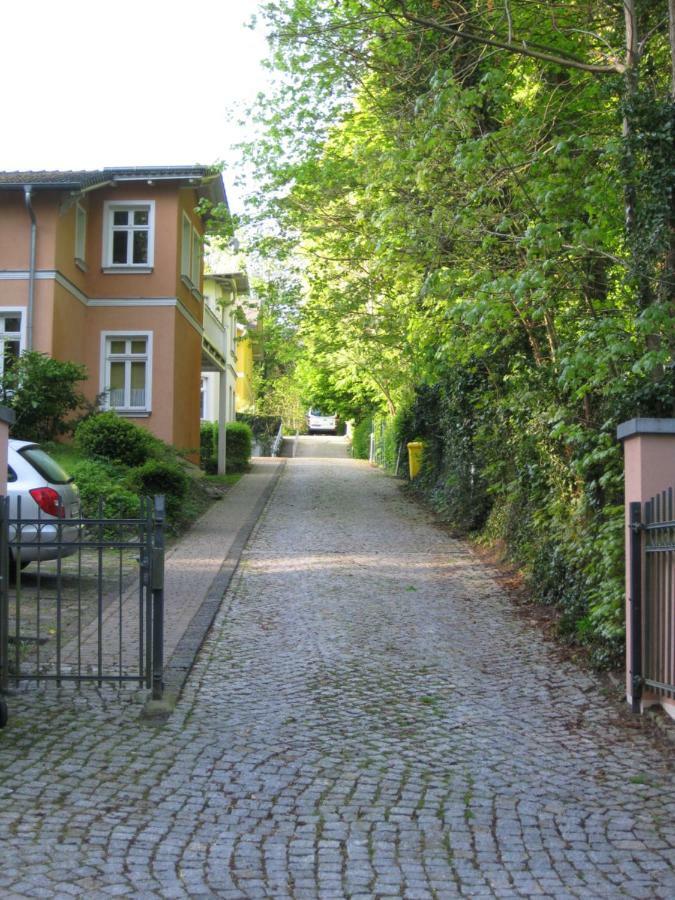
pixel 238 442
pixel 43 394
pixel 108 436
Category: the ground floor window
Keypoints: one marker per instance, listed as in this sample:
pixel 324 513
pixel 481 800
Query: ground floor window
pixel 10 338
pixel 127 367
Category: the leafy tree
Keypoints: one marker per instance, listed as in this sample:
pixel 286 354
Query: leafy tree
pixel 478 201
pixel 43 394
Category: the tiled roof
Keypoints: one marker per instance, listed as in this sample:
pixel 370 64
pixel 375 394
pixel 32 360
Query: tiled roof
pixel 80 179
pixel 208 181
pixel 159 172
pixel 51 179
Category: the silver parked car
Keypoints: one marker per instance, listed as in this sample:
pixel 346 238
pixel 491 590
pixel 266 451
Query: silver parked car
pixel 46 494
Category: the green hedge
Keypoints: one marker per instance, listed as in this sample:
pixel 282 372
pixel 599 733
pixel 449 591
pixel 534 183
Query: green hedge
pixel 239 442
pixel 361 439
pixel 208 447
pixel 498 470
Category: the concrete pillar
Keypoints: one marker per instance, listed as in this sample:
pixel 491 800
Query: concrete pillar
pixel 649 465
pixel 222 422
pixel 6 419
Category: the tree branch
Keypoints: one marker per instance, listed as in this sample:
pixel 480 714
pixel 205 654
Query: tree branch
pixel 520 48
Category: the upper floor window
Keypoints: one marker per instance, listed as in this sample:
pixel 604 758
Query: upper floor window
pixel 126 371
pixel 80 234
pixel 129 236
pixel 10 338
pixel 191 254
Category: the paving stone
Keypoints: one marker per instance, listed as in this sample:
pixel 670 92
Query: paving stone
pixel 369 716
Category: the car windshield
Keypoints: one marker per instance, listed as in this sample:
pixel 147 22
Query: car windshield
pixel 319 412
pixel 42 462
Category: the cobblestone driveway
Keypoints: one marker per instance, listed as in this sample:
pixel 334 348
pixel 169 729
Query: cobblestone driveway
pixel 368 718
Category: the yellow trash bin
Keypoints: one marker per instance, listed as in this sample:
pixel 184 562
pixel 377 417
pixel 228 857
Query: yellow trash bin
pixel 415 453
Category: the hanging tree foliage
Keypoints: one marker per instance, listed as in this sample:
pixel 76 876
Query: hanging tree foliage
pixel 481 195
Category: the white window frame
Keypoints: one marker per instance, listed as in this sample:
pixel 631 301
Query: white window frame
pixel 186 246
pixel 12 312
pixel 196 261
pixel 107 336
pixel 191 252
pixel 204 398
pixel 80 235
pixel 110 207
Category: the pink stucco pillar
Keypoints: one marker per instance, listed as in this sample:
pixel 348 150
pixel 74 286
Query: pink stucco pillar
pixel 649 463
pixel 6 419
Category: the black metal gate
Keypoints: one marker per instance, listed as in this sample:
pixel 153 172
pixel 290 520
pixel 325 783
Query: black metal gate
pixel 653 611
pixel 82 600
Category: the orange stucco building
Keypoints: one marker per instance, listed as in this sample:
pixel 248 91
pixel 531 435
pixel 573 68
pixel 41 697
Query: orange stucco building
pixel 105 268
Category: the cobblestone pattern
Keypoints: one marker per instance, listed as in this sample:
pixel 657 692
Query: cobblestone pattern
pixel 368 718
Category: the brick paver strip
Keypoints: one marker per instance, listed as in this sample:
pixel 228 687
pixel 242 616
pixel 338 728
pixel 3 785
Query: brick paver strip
pixel 228 527
pixel 368 717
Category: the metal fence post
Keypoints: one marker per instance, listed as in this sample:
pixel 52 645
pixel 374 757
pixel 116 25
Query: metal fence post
pixel 4 593
pixel 635 600
pixel 158 598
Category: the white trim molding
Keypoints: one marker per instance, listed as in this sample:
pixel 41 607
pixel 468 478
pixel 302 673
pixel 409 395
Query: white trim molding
pixel 148 302
pixel 52 275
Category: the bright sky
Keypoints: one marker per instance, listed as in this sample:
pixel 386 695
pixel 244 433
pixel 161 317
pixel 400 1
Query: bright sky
pixel 88 84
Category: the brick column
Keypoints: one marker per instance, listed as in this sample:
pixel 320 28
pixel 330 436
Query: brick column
pixel 649 465
pixel 6 419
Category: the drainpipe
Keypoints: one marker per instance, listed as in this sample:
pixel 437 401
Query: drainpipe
pixel 31 268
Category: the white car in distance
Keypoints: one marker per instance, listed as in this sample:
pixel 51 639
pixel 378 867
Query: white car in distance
pixel 320 420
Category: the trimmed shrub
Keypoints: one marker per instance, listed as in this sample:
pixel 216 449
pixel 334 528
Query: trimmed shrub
pixel 108 436
pixel 239 443
pixel 239 438
pixel 208 447
pixel 156 477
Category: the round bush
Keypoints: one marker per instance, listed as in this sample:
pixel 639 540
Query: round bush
pixel 155 477
pixel 108 436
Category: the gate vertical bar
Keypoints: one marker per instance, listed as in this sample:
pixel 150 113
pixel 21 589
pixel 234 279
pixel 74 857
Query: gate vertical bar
pixel 636 605
pixel 670 604
pixel 158 599
pixel 142 581
pixel 147 588
pixel 99 600
pixel 4 593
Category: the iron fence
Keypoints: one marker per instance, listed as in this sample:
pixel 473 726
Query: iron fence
pixel 82 599
pixel 652 610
